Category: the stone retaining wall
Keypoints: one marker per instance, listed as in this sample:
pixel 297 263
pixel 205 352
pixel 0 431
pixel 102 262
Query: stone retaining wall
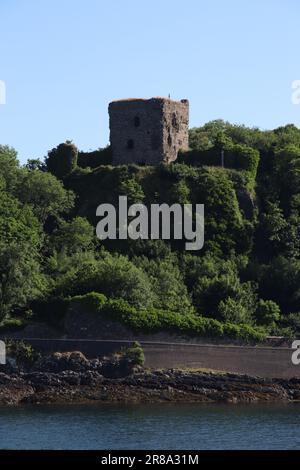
pixel 262 361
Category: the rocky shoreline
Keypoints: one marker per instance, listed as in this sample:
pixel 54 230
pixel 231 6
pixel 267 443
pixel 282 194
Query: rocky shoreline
pixel 71 378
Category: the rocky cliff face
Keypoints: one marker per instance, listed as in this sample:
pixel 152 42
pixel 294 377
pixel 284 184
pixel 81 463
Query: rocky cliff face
pixel 80 322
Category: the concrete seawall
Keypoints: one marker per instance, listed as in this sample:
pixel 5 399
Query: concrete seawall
pixel 258 361
pixel 261 361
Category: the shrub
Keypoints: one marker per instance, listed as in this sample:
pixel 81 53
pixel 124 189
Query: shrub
pixel 153 320
pixel 267 312
pixel 95 158
pixel 239 157
pixel 73 236
pixel 135 354
pixel 113 275
pixel 9 324
pixel 24 353
pixel 236 156
pixel 93 300
pixel 291 323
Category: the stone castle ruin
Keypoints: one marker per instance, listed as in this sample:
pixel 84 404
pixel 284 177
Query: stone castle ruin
pixel 148 131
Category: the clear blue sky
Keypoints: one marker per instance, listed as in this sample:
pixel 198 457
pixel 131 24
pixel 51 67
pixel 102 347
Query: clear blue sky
pixel 64 60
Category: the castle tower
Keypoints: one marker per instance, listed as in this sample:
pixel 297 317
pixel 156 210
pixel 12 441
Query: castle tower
pixel 148 131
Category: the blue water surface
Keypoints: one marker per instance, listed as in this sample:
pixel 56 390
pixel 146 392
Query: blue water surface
pixel 163 426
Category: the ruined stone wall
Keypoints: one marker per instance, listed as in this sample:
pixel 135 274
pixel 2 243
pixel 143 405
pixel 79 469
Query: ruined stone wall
pixel 148 131
pixel 175 128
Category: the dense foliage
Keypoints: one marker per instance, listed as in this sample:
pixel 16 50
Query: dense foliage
pixel 62 160
pixel 152 320
pixel 244 283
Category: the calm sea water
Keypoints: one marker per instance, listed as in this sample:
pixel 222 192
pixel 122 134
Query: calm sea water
pixel 151 427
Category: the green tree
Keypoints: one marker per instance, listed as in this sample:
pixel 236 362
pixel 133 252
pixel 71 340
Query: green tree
pixel 9 166
pixel 267 313
pixel 224 225
pixel 62 160
pixel 233 311
pixel 20 240
pixel 133 190
pixel 34 164
pixel 74 236
pixel 280 281
pixel 112 275
pixel 216 288
pixel 44 193
pixel 167 284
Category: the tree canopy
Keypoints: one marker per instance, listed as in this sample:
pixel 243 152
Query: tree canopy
pixel 244 281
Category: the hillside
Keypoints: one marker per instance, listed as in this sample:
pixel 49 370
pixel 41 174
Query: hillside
pixel 244 283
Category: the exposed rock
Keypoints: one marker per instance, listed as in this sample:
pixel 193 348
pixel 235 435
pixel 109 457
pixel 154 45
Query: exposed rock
pixel 58 362
pixel 10 367
pixel 71 378
pixel 246 203
pixel 41 379
pixel 117 367
pixel 35 330
pixel 82 323
pixel 91 378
